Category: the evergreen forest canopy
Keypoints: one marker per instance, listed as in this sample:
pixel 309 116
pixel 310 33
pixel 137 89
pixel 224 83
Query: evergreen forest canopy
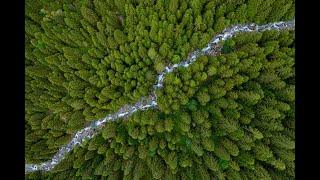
pixel 227 117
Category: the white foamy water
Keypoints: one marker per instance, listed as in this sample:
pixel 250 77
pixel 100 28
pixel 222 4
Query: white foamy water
pixel 151 102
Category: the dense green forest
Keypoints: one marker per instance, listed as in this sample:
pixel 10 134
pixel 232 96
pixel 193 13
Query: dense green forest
pixel 229 116
pixel 232 117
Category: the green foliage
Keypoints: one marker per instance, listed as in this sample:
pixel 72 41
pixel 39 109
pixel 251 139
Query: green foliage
pixel 240 132
pixel 224 117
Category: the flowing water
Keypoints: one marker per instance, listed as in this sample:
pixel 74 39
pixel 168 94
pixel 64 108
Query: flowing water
pixel 151 101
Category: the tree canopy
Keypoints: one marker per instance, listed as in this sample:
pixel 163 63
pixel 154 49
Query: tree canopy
pixel 229 116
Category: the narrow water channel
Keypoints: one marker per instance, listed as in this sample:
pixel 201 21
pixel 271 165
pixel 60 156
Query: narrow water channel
pixel 151 101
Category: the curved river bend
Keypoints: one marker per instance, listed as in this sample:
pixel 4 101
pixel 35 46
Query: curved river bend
pixel 151 101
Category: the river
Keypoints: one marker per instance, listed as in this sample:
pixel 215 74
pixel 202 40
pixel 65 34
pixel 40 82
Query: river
pixel 151 101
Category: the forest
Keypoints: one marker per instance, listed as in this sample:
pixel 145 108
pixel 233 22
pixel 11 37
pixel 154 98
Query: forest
pixel 229 116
